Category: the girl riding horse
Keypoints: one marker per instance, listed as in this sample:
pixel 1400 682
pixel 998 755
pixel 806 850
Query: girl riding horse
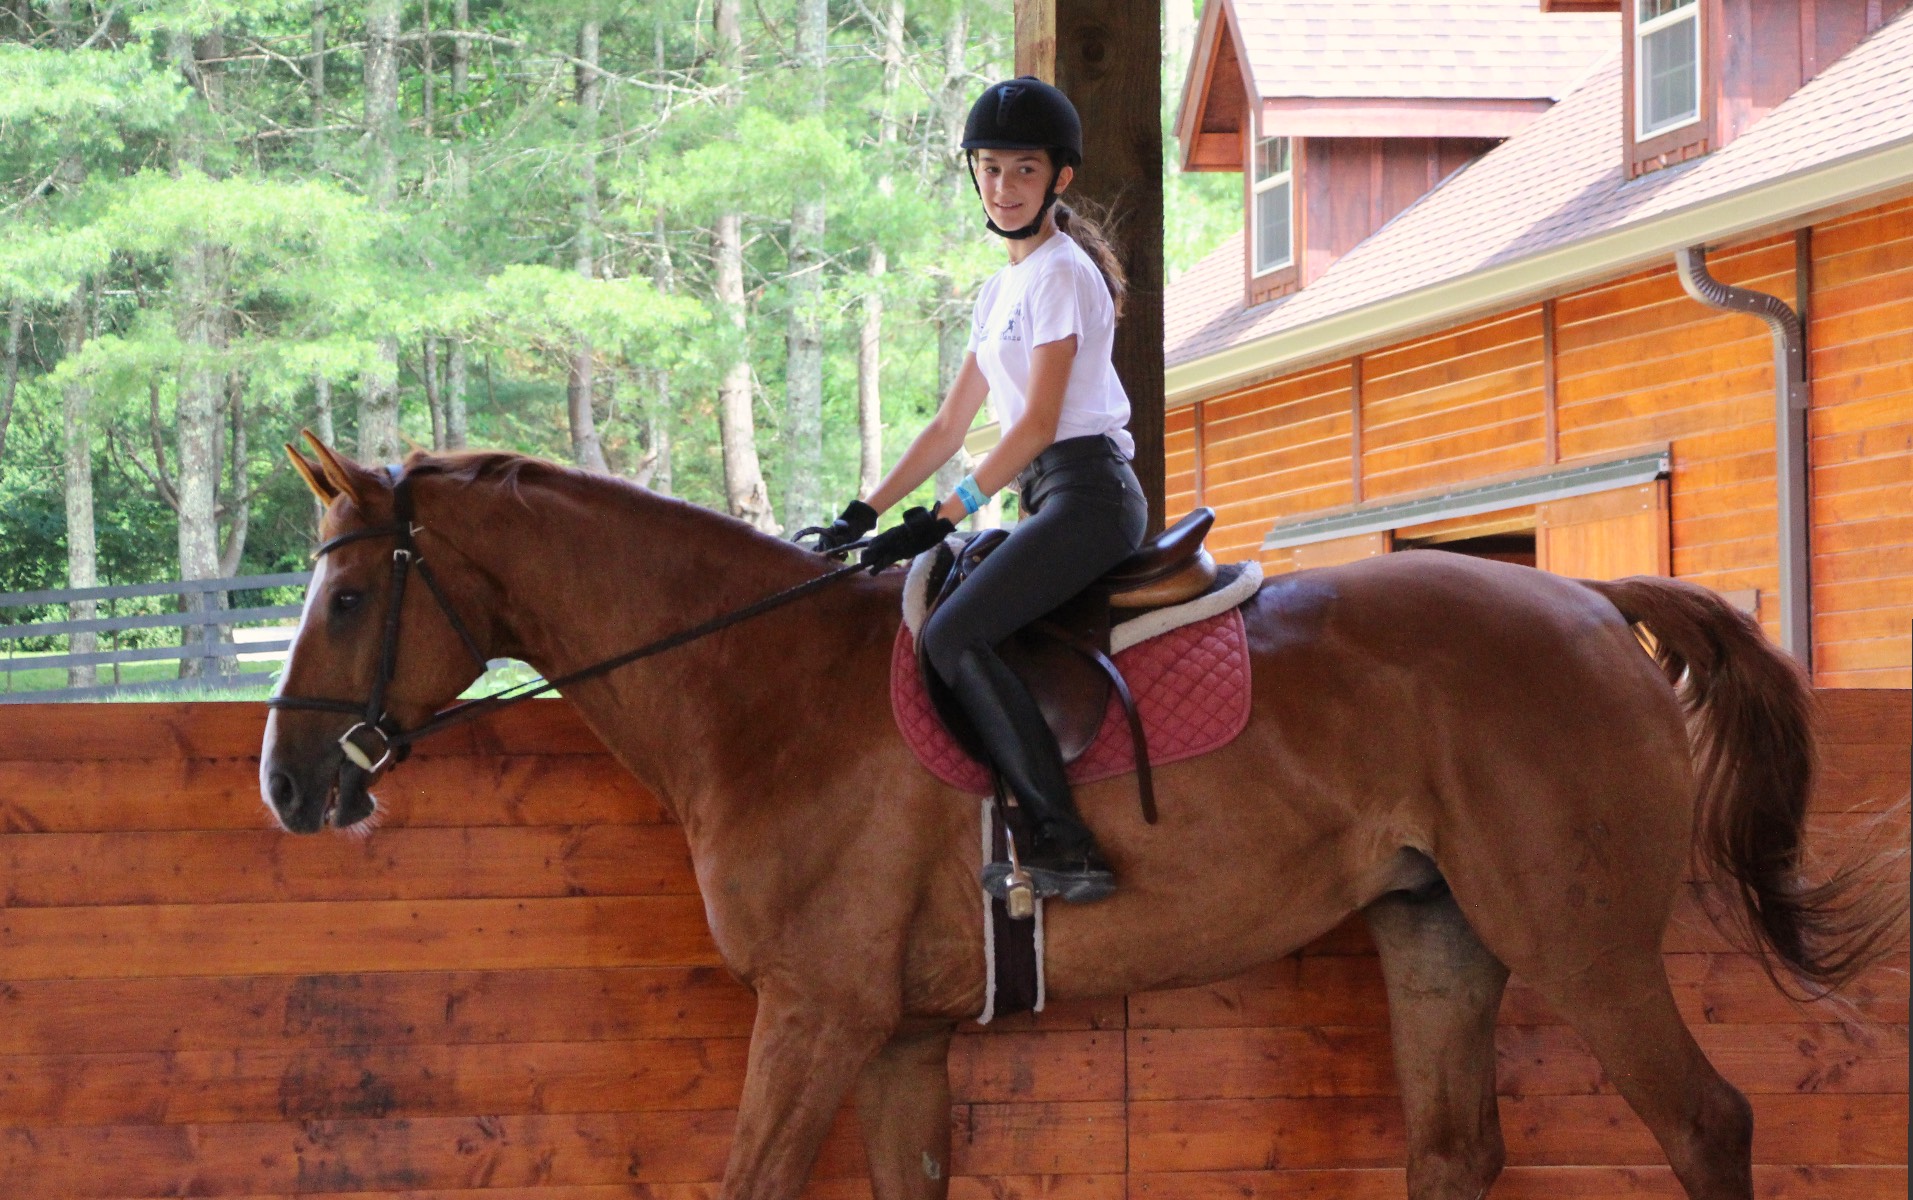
pixel 1039 350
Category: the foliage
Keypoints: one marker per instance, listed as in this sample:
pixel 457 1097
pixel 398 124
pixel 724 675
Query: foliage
pixel 187 206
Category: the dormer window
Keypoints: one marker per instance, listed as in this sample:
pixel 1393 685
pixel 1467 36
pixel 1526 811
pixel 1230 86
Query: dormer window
pixel 1274 201
pixel 1667 65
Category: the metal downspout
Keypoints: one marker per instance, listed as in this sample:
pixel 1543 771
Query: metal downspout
pixel 1790 435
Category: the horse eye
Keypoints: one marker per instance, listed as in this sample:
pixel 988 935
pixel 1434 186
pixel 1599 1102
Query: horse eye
pixel 346 601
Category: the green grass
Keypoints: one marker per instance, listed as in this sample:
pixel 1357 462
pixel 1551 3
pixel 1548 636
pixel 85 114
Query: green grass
pixel 46 679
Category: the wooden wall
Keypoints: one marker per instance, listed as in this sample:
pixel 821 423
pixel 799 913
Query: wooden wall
pixel 1635 365
pixel 1467 403
pixel 1862 447
pixel 1273 451
pixel 507 993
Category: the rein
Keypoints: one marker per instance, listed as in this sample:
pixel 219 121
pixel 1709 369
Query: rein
pixel 396 743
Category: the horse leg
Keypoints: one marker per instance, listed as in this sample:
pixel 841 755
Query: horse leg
pixel 1444 990
pixel 903 1105
pixel 1624 1009
pixel 804 1056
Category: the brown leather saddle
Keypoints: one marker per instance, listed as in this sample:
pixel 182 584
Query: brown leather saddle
pixel 1063 657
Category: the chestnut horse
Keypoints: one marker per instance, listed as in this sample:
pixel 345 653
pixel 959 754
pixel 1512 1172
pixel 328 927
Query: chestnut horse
pixel 1477 756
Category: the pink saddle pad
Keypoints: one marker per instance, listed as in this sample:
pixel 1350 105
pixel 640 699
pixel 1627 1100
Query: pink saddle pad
pixel 1191 687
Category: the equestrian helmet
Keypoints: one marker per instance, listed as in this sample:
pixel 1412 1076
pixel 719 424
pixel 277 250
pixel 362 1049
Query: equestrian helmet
pixel 1025 114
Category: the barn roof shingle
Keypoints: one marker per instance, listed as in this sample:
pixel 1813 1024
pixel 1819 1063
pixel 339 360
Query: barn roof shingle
pixel 1477 49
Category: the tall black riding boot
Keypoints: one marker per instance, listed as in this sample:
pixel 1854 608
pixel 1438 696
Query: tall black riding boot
pixel 1063 860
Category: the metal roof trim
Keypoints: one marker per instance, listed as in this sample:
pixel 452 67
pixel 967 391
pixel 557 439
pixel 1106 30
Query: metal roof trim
pixel 1562 483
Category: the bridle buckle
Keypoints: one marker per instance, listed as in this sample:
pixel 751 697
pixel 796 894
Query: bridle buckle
pixel 359 757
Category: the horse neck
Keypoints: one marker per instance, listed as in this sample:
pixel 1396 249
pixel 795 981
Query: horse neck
pixel 585 569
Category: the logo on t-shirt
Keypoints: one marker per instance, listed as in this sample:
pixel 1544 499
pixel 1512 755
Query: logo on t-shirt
pixel 1010 331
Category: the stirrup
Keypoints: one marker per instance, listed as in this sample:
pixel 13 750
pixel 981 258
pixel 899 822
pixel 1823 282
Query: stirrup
pixel 1082 885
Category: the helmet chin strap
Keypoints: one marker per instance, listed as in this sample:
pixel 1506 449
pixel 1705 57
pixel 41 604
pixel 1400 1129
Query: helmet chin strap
pixel 1027 231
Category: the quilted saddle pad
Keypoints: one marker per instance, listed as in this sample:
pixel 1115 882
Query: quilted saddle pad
pixel 1191 686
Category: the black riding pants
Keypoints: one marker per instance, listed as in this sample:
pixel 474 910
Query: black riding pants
pixel 1084 512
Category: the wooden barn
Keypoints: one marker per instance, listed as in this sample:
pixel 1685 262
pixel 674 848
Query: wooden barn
pixel 1459 316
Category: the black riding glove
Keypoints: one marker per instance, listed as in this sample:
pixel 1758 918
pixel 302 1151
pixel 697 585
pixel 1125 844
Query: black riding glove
pixel 858 519
pixel 921 530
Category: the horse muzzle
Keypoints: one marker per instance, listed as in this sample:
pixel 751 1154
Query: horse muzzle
pixel 306 793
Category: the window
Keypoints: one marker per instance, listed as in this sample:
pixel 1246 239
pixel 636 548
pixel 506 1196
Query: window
pixel 1271 204
pixel 1666 64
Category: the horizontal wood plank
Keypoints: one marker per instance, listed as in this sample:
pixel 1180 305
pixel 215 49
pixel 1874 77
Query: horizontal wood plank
pixel 1192 1135
pixel 61 869
pixel 127 942
pixel 962 1187
pixel 1533 1060
pixel 574 1149
pixel 1516 1183
pixel 413 1007
pixel 1312 990
pixel 334 1082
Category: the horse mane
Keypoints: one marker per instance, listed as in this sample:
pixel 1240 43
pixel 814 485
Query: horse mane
pixel 496 466
pixel 512 472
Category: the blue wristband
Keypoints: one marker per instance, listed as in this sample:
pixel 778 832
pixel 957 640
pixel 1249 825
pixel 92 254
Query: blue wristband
pixel 971 495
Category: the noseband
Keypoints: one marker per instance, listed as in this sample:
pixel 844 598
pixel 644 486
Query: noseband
pixel 395 743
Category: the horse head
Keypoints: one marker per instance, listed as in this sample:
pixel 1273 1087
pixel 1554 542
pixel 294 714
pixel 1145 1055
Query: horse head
pixel 358 673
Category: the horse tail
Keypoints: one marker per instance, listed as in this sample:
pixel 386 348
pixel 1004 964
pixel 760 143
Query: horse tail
pixel 1751 721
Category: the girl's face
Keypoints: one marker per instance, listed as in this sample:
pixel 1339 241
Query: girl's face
pixel 1014 182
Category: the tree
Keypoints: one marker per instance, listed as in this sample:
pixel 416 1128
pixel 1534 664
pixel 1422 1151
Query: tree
pixel 870 335
pixel 744 490
pixel 378 388
pixel 585 448
pixel 804 372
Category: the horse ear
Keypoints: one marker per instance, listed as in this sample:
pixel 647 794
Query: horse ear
pixel 309 471
pixel 343 474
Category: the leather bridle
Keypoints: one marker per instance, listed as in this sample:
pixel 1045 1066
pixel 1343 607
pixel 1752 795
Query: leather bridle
pixel 373 717
pixel 395 743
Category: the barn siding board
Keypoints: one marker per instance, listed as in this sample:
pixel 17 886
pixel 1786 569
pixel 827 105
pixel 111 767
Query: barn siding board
pixel 1179 462
pixel 327 1018
pixel 1519 1183
pixel 1441 411
pixel 1273 451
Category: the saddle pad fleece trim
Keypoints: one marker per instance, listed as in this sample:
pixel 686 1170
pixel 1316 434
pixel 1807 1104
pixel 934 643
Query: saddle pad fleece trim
pixel 1191 687
pixel 1234 585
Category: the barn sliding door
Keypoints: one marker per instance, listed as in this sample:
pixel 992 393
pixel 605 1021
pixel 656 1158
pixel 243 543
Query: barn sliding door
pixel 1606 535
pixel 1337 551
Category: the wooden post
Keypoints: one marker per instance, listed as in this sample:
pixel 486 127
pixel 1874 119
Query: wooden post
pixel 1106 55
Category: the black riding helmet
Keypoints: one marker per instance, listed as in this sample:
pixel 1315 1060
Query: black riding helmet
pixel 1024 114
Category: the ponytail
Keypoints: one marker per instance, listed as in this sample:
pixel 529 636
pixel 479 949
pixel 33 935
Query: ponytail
pixel 1089 235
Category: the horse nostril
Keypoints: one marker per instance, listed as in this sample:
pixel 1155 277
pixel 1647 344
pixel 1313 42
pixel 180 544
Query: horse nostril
pixel 284 790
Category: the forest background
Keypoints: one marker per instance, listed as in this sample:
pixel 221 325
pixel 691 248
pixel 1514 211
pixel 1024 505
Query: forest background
pixel 725 250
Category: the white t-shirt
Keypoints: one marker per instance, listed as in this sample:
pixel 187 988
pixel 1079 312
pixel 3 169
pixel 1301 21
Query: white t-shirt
pixel 1054 292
